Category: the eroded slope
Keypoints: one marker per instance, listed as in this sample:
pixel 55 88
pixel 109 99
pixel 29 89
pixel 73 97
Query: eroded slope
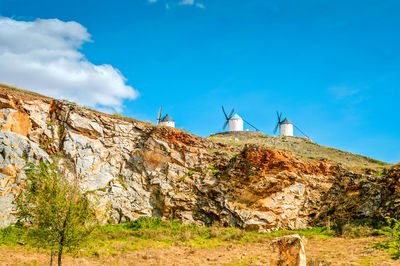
pixel 132 169
pixel 302 147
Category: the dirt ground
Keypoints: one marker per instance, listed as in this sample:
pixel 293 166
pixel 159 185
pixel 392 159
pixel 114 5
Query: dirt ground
pixel 335 251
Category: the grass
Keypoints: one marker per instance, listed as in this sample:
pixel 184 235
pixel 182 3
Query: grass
pixel 117 115
pixel 30 94
pixel 111 240
pixel 18 90
pixel 148 237
pixel 244 262
pixel 303 148
pixel 12 235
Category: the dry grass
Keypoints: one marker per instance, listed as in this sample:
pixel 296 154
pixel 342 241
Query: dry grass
pixel 319 251
pixel 159 242
pixel 303 148
pixel 345 251
pixel 25 94
pixel 30 95
pixel 144 233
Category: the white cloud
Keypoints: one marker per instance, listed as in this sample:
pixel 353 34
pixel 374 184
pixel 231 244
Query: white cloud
pixel 43 56
pixel 174 3
pixel 191 3
pixel 186 2
pixel 200 5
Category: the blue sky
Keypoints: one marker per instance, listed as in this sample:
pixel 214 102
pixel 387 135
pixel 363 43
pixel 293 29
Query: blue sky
pixel 332 67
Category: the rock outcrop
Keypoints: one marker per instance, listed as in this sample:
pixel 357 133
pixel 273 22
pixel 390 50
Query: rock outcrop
pixel 134 169
pixel 288 250
pixel 369 196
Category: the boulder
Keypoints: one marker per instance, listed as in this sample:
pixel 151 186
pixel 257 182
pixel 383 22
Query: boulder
pixel 288 251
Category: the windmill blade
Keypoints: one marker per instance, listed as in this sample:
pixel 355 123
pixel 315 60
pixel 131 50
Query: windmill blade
pixel 225 124
pixel 179 126
pixel 301 131
pixel 159 115
pixel 230 115
pixel 276 128
pixel 223 110
pixel 251 125
pixel 279 116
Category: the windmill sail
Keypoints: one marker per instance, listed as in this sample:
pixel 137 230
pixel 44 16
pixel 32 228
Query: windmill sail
pixel 227 117
pixel 225 124
pixel 159 115
pixel 285 121
pixel 278 124
pixel 301 131
pixel 251 125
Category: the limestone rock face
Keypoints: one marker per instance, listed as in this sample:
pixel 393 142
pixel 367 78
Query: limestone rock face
pixel 362 196
pixel 288 250
pixel 15 150
pixel 132 169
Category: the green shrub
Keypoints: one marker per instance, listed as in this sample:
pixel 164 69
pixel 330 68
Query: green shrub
pixel 12 235
pixel 145 223
pixel 153 223
pixel 118 115
pixel 59 215
pixel 380 173
pixel 392 244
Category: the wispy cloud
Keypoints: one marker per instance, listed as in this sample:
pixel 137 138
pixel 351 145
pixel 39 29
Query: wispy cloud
pixel 174 3
pixel 343 91
pixel 44 56
pixel 200 5
pixel 186 2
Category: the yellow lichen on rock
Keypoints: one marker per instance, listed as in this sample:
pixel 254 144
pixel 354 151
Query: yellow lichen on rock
pixel 17 122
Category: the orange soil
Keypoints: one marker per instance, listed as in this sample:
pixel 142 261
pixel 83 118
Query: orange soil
pixel 274 161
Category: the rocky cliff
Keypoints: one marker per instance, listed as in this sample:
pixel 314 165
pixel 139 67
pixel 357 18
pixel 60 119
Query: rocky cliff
pixel 131 169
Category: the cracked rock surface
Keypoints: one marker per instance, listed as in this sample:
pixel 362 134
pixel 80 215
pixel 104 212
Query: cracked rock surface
pixel 132 169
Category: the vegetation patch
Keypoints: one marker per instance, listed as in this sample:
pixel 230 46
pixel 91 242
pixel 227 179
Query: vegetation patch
pixel 111 240
pixel 303 148
pixel 392 243
pixel 57 215
pixel 118 115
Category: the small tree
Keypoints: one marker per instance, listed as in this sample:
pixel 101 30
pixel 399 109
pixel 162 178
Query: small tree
pixel 60 215
pixel 392 244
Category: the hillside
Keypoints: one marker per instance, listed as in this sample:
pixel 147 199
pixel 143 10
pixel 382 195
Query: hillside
pixel 132 169
pixel 302 147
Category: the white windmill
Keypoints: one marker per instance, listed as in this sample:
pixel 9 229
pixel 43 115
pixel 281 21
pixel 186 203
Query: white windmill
pixel 166 120
pixel 235 121
pixel 286 127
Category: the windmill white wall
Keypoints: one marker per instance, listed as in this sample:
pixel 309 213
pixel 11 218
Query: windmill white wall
pixel 236 123
pixel 286 128
pixel 168 123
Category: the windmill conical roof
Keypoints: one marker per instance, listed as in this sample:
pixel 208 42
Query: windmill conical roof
pixel 235 117
pixel 167 118
pixel 286 121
